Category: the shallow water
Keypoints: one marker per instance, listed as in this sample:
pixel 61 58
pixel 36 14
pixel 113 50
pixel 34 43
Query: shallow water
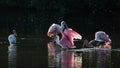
pixel 37 53
pixel 79 58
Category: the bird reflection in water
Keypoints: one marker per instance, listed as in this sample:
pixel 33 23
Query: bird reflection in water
pixel 12 56
pixel 58 58
pixel 87 58
pixel 99 58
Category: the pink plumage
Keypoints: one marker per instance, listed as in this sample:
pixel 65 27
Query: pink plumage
pixel 102 36
pixel 68 37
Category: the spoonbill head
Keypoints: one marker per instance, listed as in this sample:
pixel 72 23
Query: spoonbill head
pixel 53 30
pixel 102 36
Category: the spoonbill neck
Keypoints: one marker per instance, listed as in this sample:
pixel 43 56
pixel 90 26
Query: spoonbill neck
pixel 57 39
pixel 63 25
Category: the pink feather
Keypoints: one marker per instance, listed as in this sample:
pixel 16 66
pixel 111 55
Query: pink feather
pixel 53 30
pixel 103 36
pixel 68 36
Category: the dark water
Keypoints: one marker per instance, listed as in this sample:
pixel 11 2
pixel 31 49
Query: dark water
pixel 37 53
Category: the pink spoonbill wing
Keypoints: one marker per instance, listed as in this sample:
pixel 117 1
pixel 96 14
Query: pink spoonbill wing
pixel 70 34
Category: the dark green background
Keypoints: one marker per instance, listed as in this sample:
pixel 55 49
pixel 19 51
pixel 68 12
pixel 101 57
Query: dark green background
pixel 33 17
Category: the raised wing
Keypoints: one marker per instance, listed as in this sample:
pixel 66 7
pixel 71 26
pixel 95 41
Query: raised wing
pixel 71 35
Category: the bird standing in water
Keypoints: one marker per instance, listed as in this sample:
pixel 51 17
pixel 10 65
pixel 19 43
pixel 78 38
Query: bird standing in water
pixel 68 35
pixel 101 40
pixel 12 38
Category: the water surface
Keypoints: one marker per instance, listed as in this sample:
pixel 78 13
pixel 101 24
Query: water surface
pixel 37 53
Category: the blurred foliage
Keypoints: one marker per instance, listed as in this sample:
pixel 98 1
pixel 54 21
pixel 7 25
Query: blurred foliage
pixel 35 16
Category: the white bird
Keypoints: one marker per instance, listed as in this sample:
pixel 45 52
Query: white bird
pixel 12 38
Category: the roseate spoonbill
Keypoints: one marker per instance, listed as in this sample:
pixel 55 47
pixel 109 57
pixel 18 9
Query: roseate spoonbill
pixel 68 35
pixel 12 37
pixel 101 40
